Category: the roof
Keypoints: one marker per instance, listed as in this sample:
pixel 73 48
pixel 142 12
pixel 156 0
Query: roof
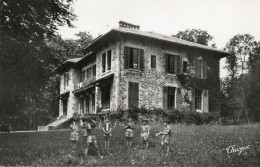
pixel 158 36
pixel 66 64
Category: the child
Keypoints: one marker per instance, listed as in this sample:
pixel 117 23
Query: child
pixel 145 131
pixel 90 125
pixel 74 135
pixel 129 132
pixel 84 129
pixel 107 128
pixel 166 133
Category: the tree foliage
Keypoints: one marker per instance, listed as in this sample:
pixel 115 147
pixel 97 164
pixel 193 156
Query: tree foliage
pixel 197 36
pixel 242 83
pixel 26 97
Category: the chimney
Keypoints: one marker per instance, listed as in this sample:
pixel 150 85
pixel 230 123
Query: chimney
pixel 128 25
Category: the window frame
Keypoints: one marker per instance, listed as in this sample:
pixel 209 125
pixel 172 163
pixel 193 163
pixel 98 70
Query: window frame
pixel 153 61
pixel 171 93
pixel 198 95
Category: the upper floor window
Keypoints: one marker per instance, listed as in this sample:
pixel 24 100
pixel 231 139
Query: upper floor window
pixel 94 70
pixel 153 61
pixel 83 75
pixel 66 79
pixel 103 62
pixel 88 73
pixel 134 58
pixel 106 61
pixel 201 68
pixel 109 60
pixel 173 64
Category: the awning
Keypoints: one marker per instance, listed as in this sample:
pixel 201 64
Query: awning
pixel 64 95
pixel 105 80
pixel 84 89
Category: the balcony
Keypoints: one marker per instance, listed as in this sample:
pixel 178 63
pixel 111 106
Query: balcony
pixel 84 84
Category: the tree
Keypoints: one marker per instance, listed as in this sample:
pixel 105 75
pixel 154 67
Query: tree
pixel 24 65
pixel 25 24
pixel 197 36
pixel 240 48
pixel 253 99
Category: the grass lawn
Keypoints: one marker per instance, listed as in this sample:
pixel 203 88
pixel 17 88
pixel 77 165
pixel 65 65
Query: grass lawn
pixel 190 146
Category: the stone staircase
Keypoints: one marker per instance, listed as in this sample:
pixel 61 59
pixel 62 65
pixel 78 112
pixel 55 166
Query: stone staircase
pixel 55 124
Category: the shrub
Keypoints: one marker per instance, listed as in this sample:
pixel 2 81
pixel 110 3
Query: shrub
pixel 158 115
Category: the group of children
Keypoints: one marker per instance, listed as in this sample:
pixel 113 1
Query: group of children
pixel 89 124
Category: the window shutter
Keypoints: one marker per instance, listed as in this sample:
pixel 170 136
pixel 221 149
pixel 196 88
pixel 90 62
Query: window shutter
pixel 179 65
pixel 193 100
pixel 205 69
pixel 205 101
pixel 126 56
pixel 166 63
pixel 196 67
pixel 141 59
pixel 165 91
pixel 178 99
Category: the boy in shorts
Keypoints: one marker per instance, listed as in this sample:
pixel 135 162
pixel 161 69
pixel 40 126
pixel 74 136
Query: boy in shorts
pixel 107 128
pixel 129 132
pixel 91 139
pixel 145 131
pixel 166 133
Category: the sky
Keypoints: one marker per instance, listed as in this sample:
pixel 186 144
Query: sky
pixel 221 18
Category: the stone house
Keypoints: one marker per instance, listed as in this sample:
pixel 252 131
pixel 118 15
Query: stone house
pixel 127 68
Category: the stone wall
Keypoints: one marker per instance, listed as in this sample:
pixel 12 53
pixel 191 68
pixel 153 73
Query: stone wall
pixel 99 74
pixel 151 81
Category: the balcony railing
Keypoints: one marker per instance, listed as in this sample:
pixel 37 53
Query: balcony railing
pixel 84 83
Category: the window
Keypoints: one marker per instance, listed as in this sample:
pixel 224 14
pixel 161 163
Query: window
pixel 201 68
pixel 109 60
pixel 66 79
pixel 171 98
pixel 65 106
pixel 185 67
pixel 133 94
pixel 94 70
pixel 153 61
pixel 105 97
pixel 103 62
pixel 173 64
pixel 89 73
pixel 134 58
pixel 83 74
pixel 198 99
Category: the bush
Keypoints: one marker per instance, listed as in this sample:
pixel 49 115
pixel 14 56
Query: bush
pixel 159 115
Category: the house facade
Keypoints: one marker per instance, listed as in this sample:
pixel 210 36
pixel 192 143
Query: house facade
pixel 127 68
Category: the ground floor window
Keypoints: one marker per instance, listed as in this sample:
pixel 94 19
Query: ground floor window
pixel 170 98
pixel 133 94
pixel 198 99
pixel 105 97
pixel 65 106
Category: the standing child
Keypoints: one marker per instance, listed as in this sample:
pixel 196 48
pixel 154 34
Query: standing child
pixel 84 130
pixel 107 128
pixel 74 135
pixel 145 131
pixel 129 132
pixel 166 133
pixel 90 125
